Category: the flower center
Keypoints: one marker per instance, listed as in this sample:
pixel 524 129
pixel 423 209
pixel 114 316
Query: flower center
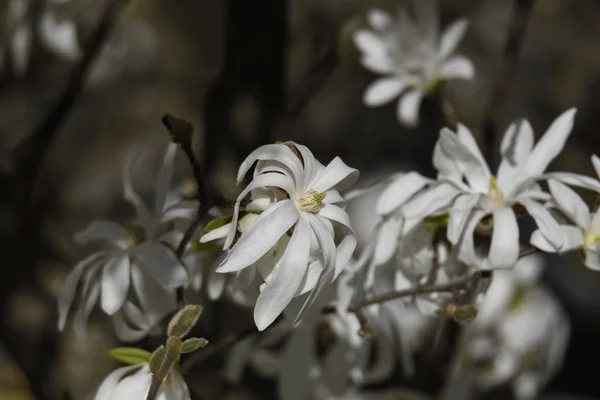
pixel 590 238
pixel 495 193
pixel 137 235
pixel 311 201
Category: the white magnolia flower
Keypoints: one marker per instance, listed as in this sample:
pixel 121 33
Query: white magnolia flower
pixel 476 200
pixel 520 334
pixel 412 55
pixel 586 233
pixel 56 34
pixel 303 196
pixel 133 382
pixel 138 256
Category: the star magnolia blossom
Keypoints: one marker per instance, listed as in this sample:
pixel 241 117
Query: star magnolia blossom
pixel 520 333
pixel 586 234
pixel 137 257
pixel 303 196
pixel 412 56
pixel 125 384
pixel 476 200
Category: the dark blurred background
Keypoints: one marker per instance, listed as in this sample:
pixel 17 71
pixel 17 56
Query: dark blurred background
pixel 247 73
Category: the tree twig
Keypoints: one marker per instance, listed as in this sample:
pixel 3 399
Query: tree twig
pixel 520 15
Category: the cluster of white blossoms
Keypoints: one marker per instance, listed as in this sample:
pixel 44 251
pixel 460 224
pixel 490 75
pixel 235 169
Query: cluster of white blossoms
pixel 56 32
pixel 412 55
pixel 340 314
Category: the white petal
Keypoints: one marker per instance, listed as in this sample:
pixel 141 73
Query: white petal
pixel 185 210
pixel 263 236
pixel 59 36
pixel 160 262
pixel 215 234
pixel 176 389
pixel 163 180
pixel 515 148
pixel 545 222
pixel 125 332
pixel 334 197
pixel 143 215
pixel 444 163
pixel 115 283
pixel 596 164
pixel 570 203
pixel 399 191
pixel 311 166
pixel 285 278
pixel 457 67
pixel 592 259
pixel 459 215
pixel 430 201
pixel 369 43
pixel 383 91
pixel 103 230
pixel 465 152
pixel 387 240
pixel 336 176
pixel 153 298
pixel 466 138
pixel 344 252
pixel 276 152
pixel 108 386
pixel 90 297
pixel 504 249
pixel 408 108
pixel 572 179
pixel 452 36
pixel 380 65
pixel 215 285
pixel 263 180
pixel 466 249
pixel 379 19
pixel 135 386
pixel 572 236
pixel 551 144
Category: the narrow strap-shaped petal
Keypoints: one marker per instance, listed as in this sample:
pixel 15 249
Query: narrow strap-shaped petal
pixel 430 201
pixel 103 230
pixel 596 164
pixel 263 180
pixel 378 64
pixel 125 332
pixel 408 108
pixel 388 236
pixel 399 191
pixel 276 152
pixel 369 43
pixel 311 166
pixel 383 91
pixel 184 210
pixel 572 236
pixel 160 262
pixel 452 36
pixel 570 203
pixel 466 246
pixel 153 298
pixel 285 278
pixel 337 176
pixel 215 284
pixel 215 234
pixel 85 309
pixel 459 215
pixel 347 246
pixel 457 67
pixel 265 233
pixel 163 180
pixel 115 283
pixel 504 249
pixel 108 386
pixel 143 215
pixel 548 226
pixel 515 148
pixel 573 179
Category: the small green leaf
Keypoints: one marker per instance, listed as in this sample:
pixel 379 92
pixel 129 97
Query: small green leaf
pixel 185 319
pixel 278 142
pixel 217 223
pixel 130 355
pixel 192 344
pixel 156 359
pixel 205 247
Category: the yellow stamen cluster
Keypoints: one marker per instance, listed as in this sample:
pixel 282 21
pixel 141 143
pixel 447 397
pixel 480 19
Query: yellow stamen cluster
pixel 311 201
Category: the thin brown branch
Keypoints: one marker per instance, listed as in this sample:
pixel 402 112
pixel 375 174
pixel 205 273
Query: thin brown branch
pixel 520 15
pixel 29 154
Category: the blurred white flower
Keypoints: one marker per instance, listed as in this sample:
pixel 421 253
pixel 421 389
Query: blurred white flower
pixel 139 255
pixel 520 334
pixel 476 200
pixel 412 55
pixel 586 233
pixel 125 384
pixel 302 195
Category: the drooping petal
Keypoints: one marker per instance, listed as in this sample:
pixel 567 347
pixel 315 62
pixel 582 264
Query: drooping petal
pixel 572 237
pixel 337 176
pixel 69 288
pixel 263 180
pixel 451 37
pixel 215 284
pixel 108 386
pixel 383 91
pixel 504 249
pixel 466 246
pixel 285 278
pixel 369 43
pixel 515 148
pixel 103 230
pixel 275 152
pixel 548 226
pixel 430 201
pixel 459 215
pixel 550 145
pixel 570 203
pixel 399 191
pixel 115 283
pixel 379 19
pixel 90 297
pixel 162 264
pixel 457 67
pixel 265 233
pixel 408 108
